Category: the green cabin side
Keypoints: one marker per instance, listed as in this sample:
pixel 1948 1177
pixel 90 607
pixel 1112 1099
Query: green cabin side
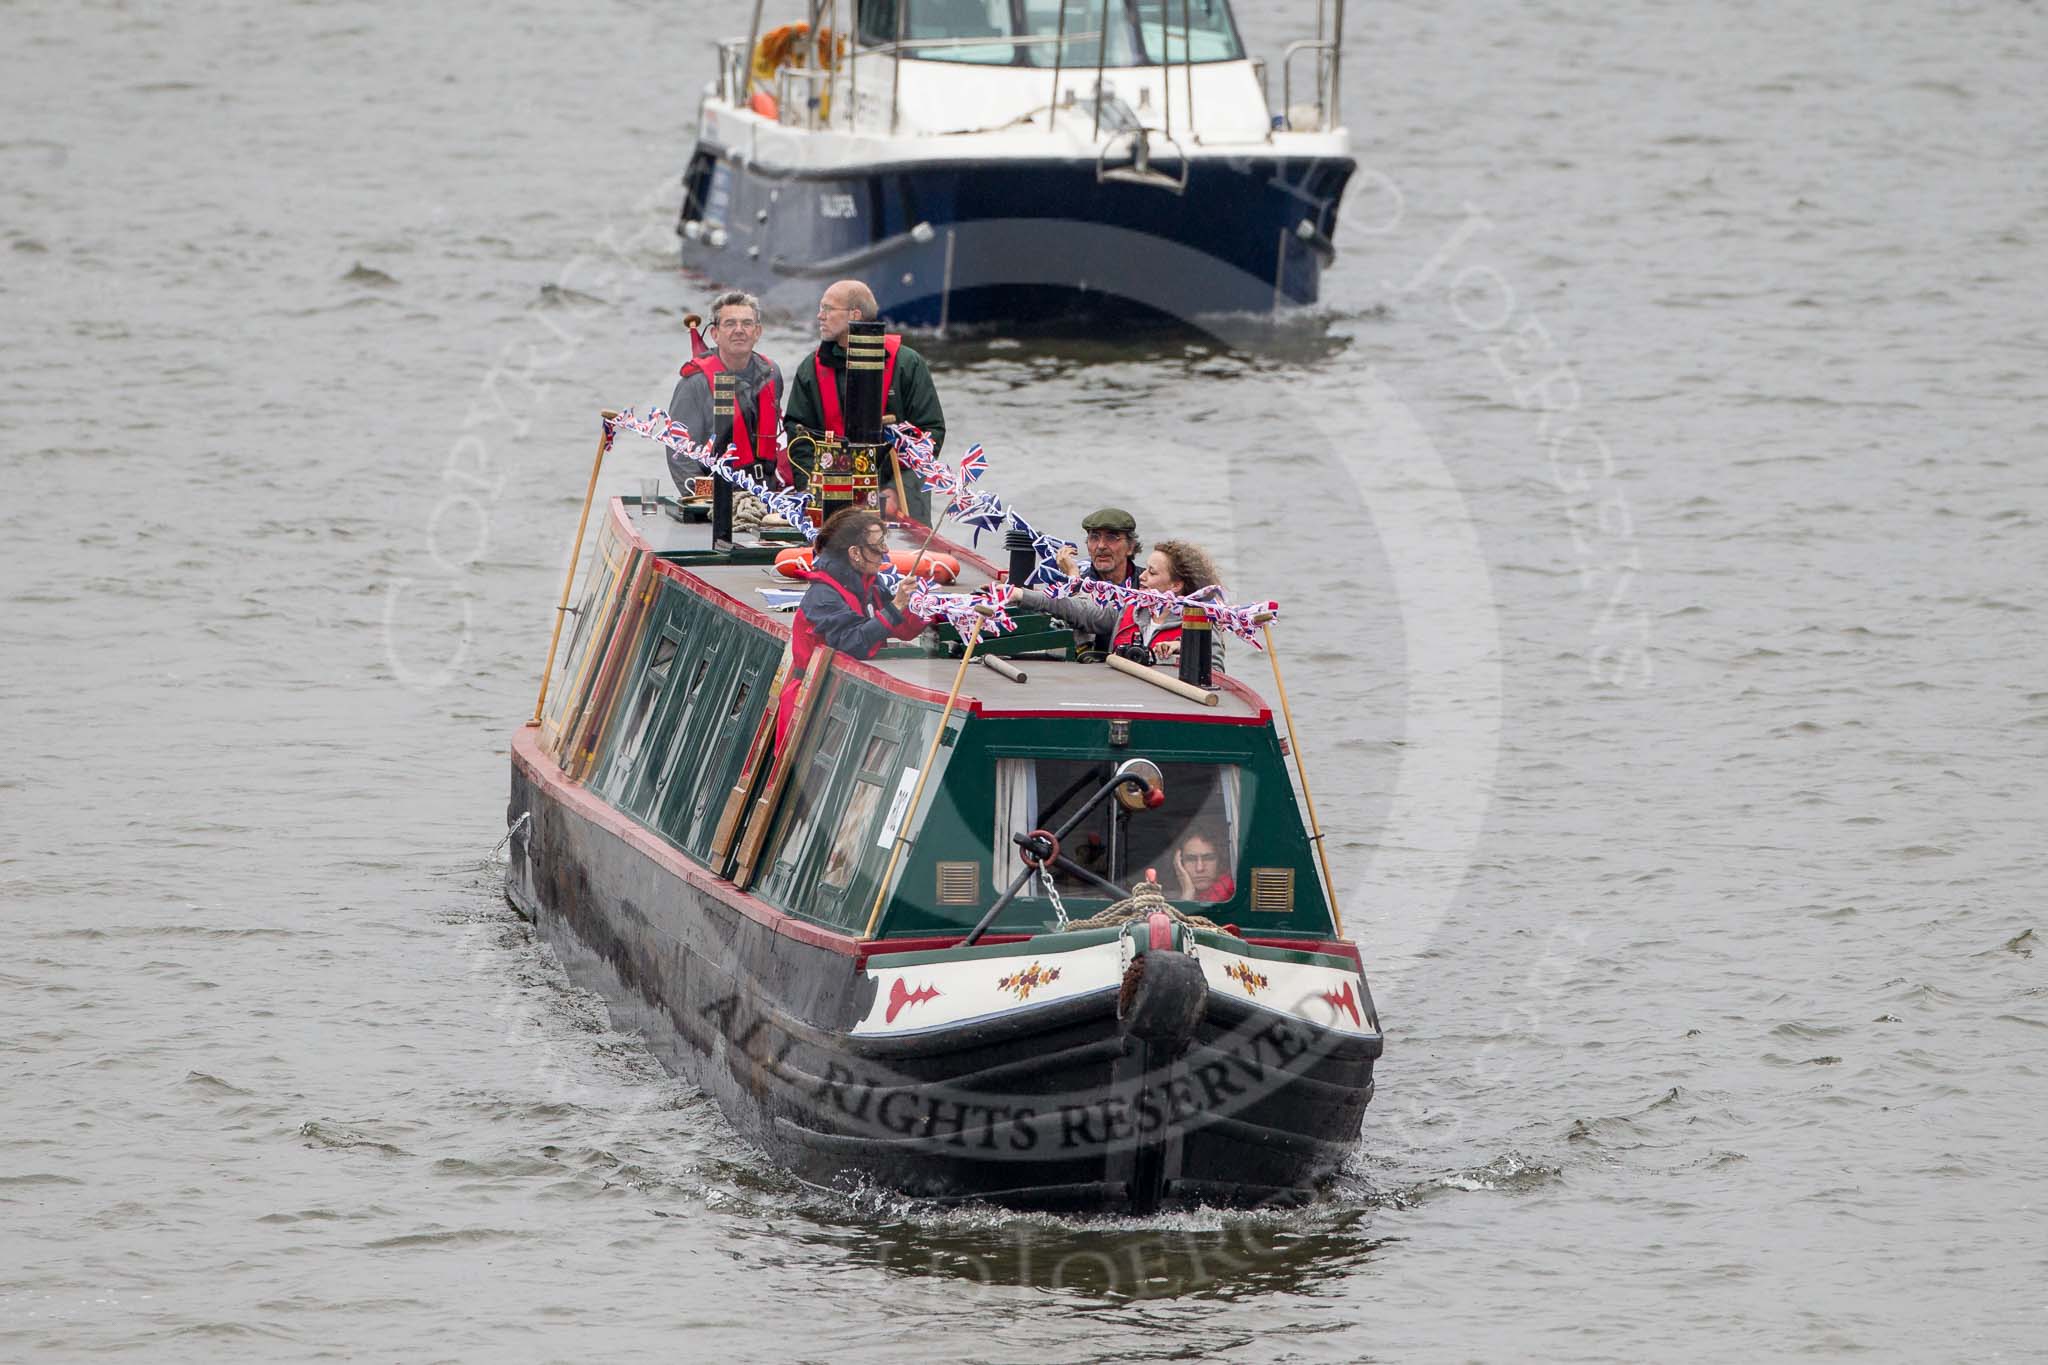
pixel 667 719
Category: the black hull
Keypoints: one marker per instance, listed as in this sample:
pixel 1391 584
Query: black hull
pixel 1020 242
pixel 1055 1107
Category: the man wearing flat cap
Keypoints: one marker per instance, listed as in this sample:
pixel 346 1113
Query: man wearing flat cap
pixel 1113 546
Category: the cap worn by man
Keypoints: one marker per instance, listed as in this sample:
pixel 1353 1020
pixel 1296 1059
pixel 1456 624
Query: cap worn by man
pixel 1109 519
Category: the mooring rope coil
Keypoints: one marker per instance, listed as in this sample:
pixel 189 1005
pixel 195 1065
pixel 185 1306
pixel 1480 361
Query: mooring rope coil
pixel 1145 898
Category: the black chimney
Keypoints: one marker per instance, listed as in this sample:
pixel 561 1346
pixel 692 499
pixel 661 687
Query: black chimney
pixel 866 361
pixel 721 430
pixel 1195 647
pixel 1023 557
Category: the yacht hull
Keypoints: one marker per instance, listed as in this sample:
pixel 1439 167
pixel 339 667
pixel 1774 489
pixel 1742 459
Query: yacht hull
pixel 1019 241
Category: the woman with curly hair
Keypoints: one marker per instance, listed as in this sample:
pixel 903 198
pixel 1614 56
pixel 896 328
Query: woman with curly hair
pixel 1180 567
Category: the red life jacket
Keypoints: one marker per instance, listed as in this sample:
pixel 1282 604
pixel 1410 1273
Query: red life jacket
pixel 803 643
pixel 803 636
pixel 828 384
pixel 710 366
pixel 1129 633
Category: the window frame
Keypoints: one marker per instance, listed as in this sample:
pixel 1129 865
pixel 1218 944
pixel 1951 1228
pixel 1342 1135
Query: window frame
pixel 1230 776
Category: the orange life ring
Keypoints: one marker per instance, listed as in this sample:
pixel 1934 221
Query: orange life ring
pixel 780 47
pixel 795 562
pixel 776 48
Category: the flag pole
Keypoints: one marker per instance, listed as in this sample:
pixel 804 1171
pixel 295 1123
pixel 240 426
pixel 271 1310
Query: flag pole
pixel 547 671
pixel 1301 770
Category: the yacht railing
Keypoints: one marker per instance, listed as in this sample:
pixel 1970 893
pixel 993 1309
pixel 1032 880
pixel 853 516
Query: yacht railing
pixel 734 63
pixel 801 110
pixel 1329 64
pixel 735 66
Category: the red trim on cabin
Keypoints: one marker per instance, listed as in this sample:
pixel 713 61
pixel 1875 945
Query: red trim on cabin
pixel 883 947
pixel 1331 947
pixel 867 672
pixel 1243 691
pixel 760 620
pixel 1114 713
pixel 753 616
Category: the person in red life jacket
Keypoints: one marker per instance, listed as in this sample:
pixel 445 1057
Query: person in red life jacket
pixel 1198 862
pixel 1113 549
pixel 845 608
pixel 817 396
pixel 1180 567
pixel 757 385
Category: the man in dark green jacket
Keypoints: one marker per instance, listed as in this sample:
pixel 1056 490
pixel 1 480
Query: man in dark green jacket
pixel 908 397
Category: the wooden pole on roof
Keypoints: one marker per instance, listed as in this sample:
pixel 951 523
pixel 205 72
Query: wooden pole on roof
pixel 1294 747
pixel 923 775
pixel 547 671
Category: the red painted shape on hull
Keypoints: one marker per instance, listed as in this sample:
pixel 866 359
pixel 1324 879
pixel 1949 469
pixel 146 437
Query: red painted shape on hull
pixel 900 997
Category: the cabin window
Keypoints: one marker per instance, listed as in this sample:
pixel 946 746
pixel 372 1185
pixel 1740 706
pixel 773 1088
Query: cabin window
pixel 643 704
pixel 1191 841
pixel 712 737
pixel 851 840
pixel 1085 39
pixel 1118 33
pixel 1175 31
pixel 672 739
pixel 809 786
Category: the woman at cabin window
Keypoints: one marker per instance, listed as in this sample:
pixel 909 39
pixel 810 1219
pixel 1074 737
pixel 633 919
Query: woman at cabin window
pixel 1203 871
pixel 845 608
pixel 1154 844
pixel 1180 567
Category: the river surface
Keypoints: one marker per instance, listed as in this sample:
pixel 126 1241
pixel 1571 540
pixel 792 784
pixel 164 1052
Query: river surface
pixel 1656 503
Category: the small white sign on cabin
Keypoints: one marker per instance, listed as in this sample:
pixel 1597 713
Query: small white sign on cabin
pixel 898 808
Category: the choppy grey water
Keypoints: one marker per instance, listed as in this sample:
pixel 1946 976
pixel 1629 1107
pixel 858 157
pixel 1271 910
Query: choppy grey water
pixel 1657 505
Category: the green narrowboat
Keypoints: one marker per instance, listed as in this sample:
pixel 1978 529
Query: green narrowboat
pixel 952 940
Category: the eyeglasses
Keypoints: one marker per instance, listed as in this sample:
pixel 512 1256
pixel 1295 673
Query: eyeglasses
pixel 877 546
pixel 825 308
pixel 1198 857
pixel 1104 537
pixel 737 325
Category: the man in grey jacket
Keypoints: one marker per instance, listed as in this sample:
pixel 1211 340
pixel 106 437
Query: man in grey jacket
pixel 755 422
pixel 1113 548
